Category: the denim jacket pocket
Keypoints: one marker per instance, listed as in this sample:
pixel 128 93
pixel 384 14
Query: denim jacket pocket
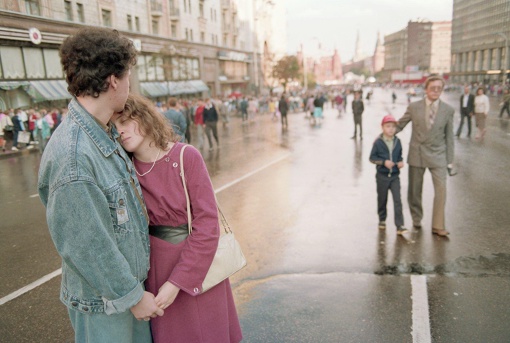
pixel 119 211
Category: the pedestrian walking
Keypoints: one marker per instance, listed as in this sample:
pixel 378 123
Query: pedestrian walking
pixel 310 106
pixel 431 147
pixel 244 109
pixel 17 127
pixel 211 123
pixel 318 104
pixel 179 262
pixel 253 106
pixel 357 111
pixel 199 123
pixel 283 108
pixel 467 106
pixel 42 131
pixel 176 118
pixel 482 107
pixel 5 126
pixel 393 97
pixel 505 104
pixel 339 104
pixel 387 156
pixel 94 207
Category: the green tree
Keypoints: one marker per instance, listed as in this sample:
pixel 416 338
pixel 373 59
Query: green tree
pixel 286 69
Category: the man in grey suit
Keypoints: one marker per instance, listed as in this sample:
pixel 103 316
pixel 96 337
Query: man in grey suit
pixel 431 147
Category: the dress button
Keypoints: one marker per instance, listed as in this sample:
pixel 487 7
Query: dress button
pixel 175 165
pixel 85 308
pixel 196 290
pixel 74 304
pixel 167 159
pixel 121 202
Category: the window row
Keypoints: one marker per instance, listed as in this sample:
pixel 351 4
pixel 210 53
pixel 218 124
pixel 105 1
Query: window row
pixel 158 68
pixel 29 63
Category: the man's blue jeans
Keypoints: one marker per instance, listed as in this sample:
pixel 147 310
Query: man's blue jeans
pixel 100 327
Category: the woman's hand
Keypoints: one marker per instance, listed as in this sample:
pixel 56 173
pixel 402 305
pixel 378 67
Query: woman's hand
pixel 166 295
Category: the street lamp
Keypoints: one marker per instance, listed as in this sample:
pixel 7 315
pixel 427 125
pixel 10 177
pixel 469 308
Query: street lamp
pixel 506 55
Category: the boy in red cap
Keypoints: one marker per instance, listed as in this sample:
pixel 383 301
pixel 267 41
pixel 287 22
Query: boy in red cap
pixel 387 156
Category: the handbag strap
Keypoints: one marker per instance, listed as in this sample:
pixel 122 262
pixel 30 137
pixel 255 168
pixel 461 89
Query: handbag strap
pixel 223 220
pixel 188 206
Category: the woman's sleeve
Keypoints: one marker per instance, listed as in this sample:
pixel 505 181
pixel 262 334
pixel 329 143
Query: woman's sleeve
pixel 200 247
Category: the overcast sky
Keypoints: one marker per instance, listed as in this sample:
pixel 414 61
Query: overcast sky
pixel 334 23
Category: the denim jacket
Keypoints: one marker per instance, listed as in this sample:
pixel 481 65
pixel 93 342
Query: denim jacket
pixel 96 216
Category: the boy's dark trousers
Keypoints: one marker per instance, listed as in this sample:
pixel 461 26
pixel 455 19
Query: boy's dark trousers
pixel 392 183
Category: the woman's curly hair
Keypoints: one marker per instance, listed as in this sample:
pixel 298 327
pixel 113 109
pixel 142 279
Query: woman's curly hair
pixel 93 54
pixel 151 122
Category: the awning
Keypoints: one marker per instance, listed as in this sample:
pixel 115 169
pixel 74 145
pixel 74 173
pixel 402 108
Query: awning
pixel 10 85
pixel 171 88
pixel 47 90
pixel 155 89
pixel 199 85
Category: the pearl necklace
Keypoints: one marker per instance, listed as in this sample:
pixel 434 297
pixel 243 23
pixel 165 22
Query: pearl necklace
pixel 148 171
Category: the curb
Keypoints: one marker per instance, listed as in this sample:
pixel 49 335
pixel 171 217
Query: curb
pixel 12 154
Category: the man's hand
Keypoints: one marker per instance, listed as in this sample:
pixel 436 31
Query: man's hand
pixel 389 164
pixel 166 295
pixel 146 308
pixel 400 165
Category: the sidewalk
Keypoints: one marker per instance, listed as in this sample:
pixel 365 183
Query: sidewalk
pixel 22 152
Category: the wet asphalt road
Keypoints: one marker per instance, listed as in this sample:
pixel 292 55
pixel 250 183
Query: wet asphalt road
pixel 303 206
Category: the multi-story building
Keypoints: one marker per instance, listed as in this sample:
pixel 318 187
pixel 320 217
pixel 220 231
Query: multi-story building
pixel 440 56
pixel 480 39
pixel 395 51
pixel 185 46
pixel 421 48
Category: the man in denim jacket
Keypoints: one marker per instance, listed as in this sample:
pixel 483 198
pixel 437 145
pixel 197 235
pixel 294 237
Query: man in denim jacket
pixel 94 209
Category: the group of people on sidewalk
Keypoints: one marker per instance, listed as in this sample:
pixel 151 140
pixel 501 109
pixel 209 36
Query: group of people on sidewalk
pixel 30 128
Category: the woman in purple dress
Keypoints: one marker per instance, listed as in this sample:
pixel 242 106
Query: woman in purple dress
pixel 179 262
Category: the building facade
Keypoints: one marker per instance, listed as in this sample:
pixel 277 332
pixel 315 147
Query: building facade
pixel 195 48
pixel 480 39
pixel 420 49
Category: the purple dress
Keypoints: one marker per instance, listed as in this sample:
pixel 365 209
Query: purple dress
pixel 193 316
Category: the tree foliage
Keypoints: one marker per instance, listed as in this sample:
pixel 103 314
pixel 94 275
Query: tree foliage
pixel 286 69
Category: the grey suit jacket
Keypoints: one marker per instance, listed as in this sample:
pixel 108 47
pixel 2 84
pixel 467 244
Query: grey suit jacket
pixel 429 148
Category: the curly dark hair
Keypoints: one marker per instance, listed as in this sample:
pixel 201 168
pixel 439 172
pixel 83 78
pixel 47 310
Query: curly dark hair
pixel 91 55
pixel 151 122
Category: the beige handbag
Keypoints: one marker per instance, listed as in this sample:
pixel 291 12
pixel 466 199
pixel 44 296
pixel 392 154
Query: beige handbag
pixel 229 257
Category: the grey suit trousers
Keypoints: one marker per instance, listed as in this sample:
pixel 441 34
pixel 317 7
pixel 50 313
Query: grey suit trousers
pixel 414 195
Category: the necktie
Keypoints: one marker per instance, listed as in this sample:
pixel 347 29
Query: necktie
pixel 432 114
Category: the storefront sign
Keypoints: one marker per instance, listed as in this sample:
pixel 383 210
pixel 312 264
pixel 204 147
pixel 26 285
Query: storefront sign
pixel 233 56
pixel 35 35
pixel 137 43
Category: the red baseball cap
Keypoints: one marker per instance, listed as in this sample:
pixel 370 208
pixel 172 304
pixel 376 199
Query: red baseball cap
pixel 388 119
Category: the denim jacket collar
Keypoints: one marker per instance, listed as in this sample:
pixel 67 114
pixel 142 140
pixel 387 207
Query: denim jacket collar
pixel 96 133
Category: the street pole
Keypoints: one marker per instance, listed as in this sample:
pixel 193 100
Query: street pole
pixel 305 81
pixel 255 48
pixel 506 55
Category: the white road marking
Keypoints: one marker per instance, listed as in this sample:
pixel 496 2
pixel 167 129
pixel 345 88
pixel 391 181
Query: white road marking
pixel 30 287
pixel 57 272
pixel 230 184
pixel 34 196
pixel 421 322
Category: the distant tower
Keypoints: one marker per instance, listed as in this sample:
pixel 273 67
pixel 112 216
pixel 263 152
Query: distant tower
pixel 357 54
pixel 378 63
